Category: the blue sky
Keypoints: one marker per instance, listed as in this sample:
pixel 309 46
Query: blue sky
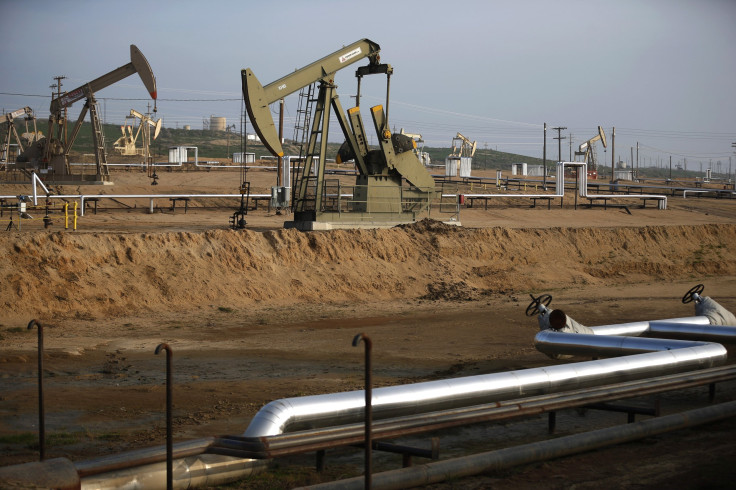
pixel 662 72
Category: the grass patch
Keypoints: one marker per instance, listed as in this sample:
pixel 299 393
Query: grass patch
pixel 63 438
pixel 25 438
pixel 54 439
pixel 112 437
pixel 225 309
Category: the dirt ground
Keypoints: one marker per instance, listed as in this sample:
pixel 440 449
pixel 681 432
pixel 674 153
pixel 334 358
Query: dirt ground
pixel 265 313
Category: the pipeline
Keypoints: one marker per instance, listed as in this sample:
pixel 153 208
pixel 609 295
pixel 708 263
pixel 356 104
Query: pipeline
pixel 582 181
pixel 665 357
pixel 440 471
pixel 643 358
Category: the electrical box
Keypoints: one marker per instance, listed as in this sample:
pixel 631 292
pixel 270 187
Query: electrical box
pixel 280 197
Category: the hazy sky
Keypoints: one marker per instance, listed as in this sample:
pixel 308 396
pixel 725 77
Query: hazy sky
pixel 663 72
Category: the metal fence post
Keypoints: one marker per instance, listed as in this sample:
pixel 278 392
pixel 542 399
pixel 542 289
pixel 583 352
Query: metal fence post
pixel 368 406
pixel 169 444
pixel 41 416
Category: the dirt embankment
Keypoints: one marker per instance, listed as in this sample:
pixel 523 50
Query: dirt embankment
pixel 98 275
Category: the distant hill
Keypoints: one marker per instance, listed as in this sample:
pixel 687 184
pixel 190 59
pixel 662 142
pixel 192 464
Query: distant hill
pixel 221 144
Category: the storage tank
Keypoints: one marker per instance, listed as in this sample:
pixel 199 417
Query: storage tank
pixel 187 127
pixel 249 158
pixel 177 154
pixel 451 166
pixel 217 123
pixel 466 166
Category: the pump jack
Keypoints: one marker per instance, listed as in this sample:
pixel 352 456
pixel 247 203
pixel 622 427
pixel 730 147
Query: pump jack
pixel 466 148
pixel 149 123
pixel 11 131
pixel 379 194
pixel 56 149
pixel 586 148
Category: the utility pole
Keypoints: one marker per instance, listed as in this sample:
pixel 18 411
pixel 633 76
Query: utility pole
pixel 632 159
pixel 637 161
pixel 559 139
pixel 544 158
pixel 570 137
pixel 613 152
pixel 670 167
pixel 58 79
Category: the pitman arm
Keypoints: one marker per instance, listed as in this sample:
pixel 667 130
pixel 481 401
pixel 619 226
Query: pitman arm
pixel 258 97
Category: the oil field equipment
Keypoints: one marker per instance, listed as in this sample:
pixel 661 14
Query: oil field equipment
pixel 126 144
pixel 459 163
pixel 392 185
pixel 587 151
pixel 55 148
pixel 27 138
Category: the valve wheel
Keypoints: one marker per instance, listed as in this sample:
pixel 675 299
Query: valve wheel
pixel 533 308
pixel 690 295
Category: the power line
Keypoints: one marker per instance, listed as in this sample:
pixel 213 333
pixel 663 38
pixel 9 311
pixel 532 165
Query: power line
pixel 128 99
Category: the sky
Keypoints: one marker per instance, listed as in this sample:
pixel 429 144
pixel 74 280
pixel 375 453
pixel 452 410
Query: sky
pixel 661 72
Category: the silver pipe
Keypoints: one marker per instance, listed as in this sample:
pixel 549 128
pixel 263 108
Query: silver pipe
pixel 724 334
pixel 638 328
pixel 204 470
pixel 661 357
pixel 140 457
pixel 551 342
pixel 648 357
pixel 436 472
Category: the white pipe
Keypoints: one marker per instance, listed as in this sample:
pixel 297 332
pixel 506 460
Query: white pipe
pixel 583 188
pixel 82 197
pixel 37 180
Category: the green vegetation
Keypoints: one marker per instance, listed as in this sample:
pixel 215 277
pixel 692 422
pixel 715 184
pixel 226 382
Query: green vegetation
pixel 222 144
pixel 24 438
pixel 54 439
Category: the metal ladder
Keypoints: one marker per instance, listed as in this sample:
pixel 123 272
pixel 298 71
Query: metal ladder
pixel 303 122
pixel 98 138
pixel 308 184
pixel 304 115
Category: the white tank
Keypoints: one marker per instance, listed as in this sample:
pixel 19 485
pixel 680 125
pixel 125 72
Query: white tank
pixel 217 123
